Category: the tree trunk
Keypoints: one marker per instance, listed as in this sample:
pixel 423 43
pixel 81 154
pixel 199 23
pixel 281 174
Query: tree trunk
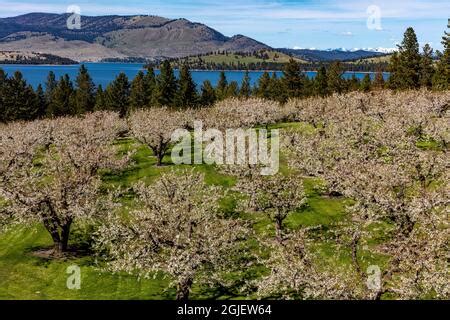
pixel 183 289
pixel 279 229
pixel 65 232
pixel 60 239
pixel 354 248
pixel 159 157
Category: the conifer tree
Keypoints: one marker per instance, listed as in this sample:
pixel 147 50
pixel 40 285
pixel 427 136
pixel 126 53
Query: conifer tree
pixel 293 79
pixel 409 61
pixel 118 95
pixel 150 87
pixel 308 87
pixel 263 88
pixel 100 99
pixel 276 88
pixel 320 82
pixel 20 102
pixel 62 98
pixel 441 78
pixel 245 90
pixel 187 93
pixel 138 94
pixel 167 86
pixel 366 83
pixel 394 69
pixel 222 86
pixel 354 83
pixel 208 96
pixel 426 67
pixel 41 102
pixel 84 99
pixel 50 85
pixel 334 80
pixel 3 78
pixel 232 90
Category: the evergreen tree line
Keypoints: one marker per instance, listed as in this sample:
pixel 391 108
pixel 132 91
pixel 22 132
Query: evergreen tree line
pixel 274 66
pixel 19 101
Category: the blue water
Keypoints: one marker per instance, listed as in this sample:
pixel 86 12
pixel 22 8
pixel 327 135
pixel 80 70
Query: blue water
pixel 104 73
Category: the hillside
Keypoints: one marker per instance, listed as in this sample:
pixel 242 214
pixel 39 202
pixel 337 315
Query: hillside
pixel 14 57
pixel 106 37
pixel 258 60
pixel 331 55
pixel 380 59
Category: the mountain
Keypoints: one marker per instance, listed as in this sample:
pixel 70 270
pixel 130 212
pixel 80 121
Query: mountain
pixel 120 37
pixel 330 55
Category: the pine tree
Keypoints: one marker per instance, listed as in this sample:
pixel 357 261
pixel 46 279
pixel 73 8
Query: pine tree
pixel 20 102
pixel 334 79
pixel 245 90
pixel 353 83
pixel 320 82
pixel 50 85
pixel 167 86
pixel 41 102
pixel 409 61
pixel 293 79
pixel 366 83
pixel 208 96
pixel 426 67
pixel 150 87
pixel 308 87
pixel 61 99
pixel 263 89
pixel 222 86
pixel 138 94
pixel 187 93
pixel 232 90
pixel 275 88
pixel 441 79
pixel 394 69
pixel 3 92
pixel 118 95
pixel 84 99
pixel 100 99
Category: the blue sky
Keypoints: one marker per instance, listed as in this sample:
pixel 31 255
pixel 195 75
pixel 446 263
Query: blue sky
pixel 319 24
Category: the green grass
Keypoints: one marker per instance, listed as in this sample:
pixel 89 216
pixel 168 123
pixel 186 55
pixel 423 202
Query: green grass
pixel 23 275
pixel 26 276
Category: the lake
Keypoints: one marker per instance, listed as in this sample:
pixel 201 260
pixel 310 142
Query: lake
pixel 104 73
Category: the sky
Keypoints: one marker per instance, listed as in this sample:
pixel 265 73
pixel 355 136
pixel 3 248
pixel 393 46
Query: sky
pixel 312 24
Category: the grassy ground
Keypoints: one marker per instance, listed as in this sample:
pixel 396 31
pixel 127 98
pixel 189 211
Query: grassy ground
pixel 23 275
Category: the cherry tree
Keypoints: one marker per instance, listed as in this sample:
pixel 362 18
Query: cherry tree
pixel 177 229
pixel 369 150
pixel 295 272
pixel 155 127
pixel 276 196
pixel 50 170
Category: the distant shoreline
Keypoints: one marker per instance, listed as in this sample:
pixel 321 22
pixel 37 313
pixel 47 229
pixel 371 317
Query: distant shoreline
pixel 192 70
